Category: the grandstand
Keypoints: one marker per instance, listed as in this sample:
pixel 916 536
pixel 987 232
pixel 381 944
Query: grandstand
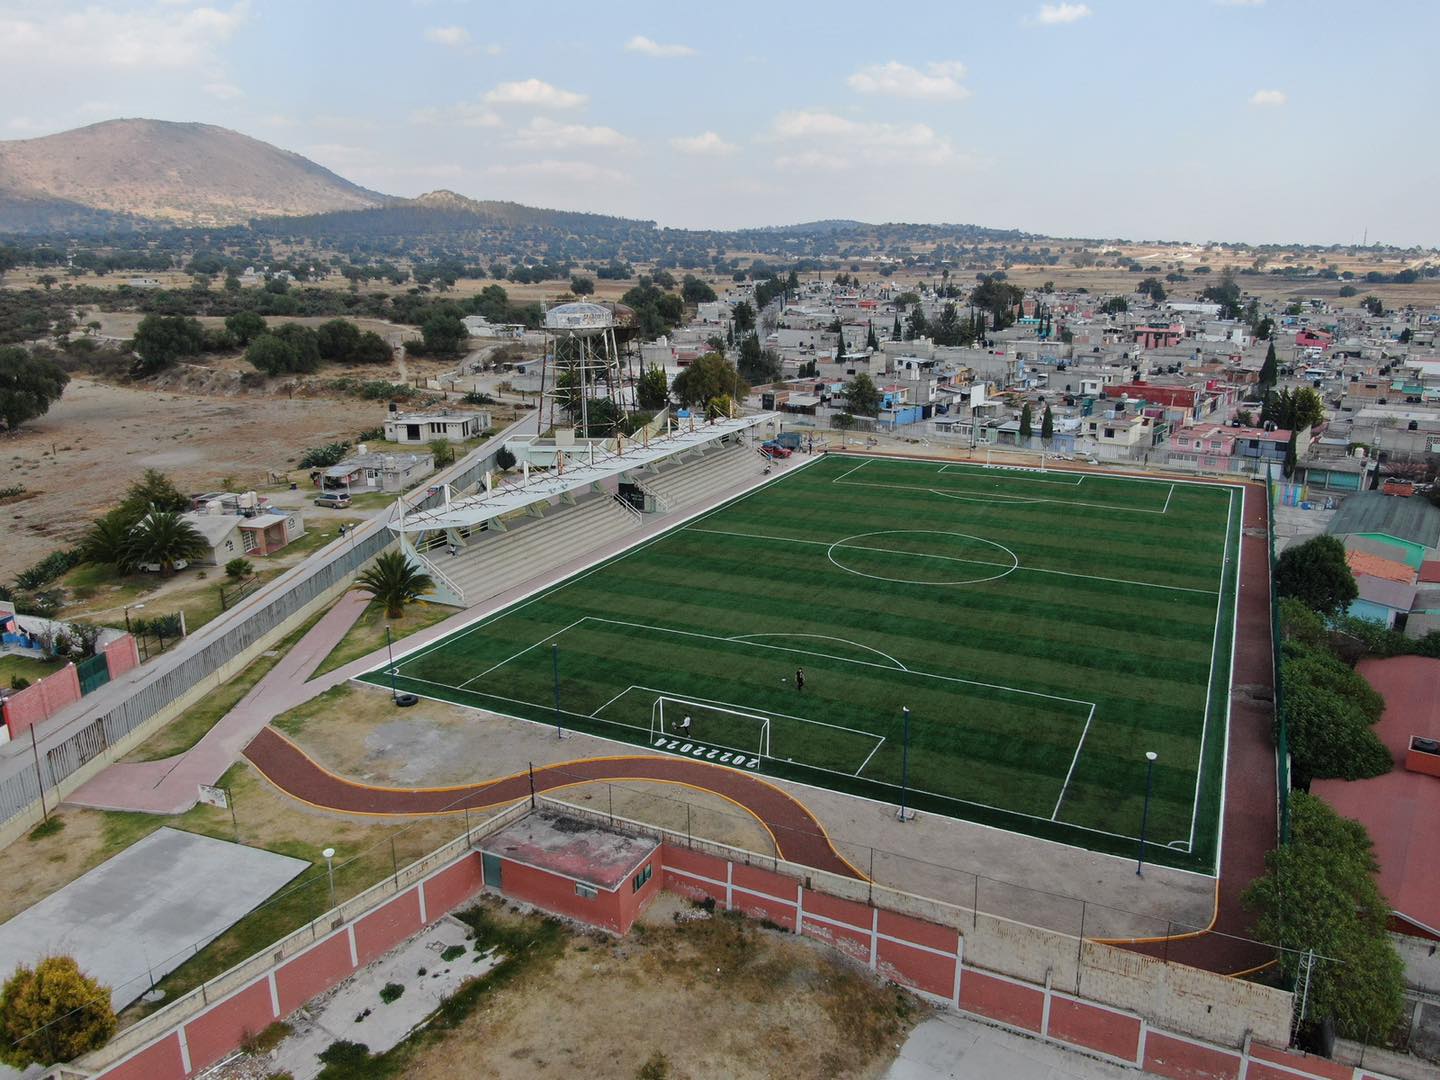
pixel 494 561
pixel 688 480
pixel 514 530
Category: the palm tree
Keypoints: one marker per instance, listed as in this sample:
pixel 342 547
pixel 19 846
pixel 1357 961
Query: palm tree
pixel 108 541
pixel 394 582
pixel 163 537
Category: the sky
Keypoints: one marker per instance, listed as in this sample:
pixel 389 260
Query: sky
pixel 1259 121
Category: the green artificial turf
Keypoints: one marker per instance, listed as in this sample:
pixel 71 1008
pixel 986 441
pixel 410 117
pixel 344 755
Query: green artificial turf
pixel 1045 630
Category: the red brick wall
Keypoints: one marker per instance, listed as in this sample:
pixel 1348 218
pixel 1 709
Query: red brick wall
pixel 217 1031
pixel 313 972
pixel 1000 999
pixel 557 894
pixel 158 1061
pixel 1182 1059
pixel 121 655
pixel 385 927
pixel 1094 1027
pixel 42 699
pixel 452 886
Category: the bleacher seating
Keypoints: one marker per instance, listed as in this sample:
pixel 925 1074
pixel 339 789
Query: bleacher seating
pixel 494 562
pixel 702 476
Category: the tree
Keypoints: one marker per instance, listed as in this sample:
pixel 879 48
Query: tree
pixel 707 380
pixel 895 331
pixel 336 339
pixel 371 349
pixel 29 385
pixel 743 317
pixel 1374 305
pixel 1115 305
pixel 239 569
pixel 1317 574
pixel 1319 893
pixel 245 327
pixel 872 343
pixel 757 365
pixel 861 396
pixel 165 539
pixel 443 451
pixel 1291 455
pixel 52 1013
pixel 694 291
pixel 653 388
pixel 1269 371
pixel 394 582
pixel 162 340
pixel 273 355
pixel 1329 713
pixel 153 491
pixel 1026 422
pixel 444 333
pixel 840 346
pixel 1047 426
pixel 107 541
pixel 582 286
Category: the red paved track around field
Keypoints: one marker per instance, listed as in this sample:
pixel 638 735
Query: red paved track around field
pixel 1251 806
pixel 799 837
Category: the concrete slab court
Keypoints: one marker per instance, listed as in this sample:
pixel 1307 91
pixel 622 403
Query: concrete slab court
pixel 148 909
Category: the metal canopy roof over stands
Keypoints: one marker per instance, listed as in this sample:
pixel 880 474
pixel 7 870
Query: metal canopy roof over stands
pixel 584 464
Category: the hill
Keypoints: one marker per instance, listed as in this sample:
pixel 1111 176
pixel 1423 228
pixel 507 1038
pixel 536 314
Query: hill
pixel 157 170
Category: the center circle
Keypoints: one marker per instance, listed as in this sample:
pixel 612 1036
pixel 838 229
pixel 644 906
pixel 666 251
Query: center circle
pixel 958 559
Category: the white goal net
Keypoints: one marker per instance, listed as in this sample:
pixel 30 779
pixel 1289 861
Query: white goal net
pixel 709 725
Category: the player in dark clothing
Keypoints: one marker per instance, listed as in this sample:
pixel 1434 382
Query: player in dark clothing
pixel 799 678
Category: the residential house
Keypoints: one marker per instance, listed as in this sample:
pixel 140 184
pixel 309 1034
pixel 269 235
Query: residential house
pixel 377 472
pixel 251 533
pixel 419 428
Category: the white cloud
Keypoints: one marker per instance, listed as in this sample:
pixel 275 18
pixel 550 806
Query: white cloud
pixel 534 94
pixel 642 44
pixel 811 161
pixel 542 132
pixel 938 82
pixel 1268 98
pixel 579 171
pixel 223 90
pixel 466 114
pixel 453 36
pixel 706 144
pixel 153 38
pixel 1061 14
pixel 815 138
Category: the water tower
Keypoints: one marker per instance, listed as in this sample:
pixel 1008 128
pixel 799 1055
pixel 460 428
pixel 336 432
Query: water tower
pixel 580 339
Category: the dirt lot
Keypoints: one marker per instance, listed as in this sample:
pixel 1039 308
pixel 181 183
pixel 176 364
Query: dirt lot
pixel 79 458
pixel 714 997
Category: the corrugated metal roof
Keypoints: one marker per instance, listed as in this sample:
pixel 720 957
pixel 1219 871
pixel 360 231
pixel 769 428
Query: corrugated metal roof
pixel 1412 519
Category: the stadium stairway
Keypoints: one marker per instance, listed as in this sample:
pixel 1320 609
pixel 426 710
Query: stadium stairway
pixel 494 562
pixel 693 481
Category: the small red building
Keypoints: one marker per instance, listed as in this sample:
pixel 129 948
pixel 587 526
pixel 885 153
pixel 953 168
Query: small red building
pixel 596 875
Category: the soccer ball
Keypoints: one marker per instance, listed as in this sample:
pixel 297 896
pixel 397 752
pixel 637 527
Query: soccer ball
pixel 784 678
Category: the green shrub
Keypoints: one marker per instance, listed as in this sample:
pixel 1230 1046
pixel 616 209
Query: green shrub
pixel 391 992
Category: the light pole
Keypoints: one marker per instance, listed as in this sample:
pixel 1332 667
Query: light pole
pixel 904 814
pixel 1150 757
pixel 137 607
pixel 390 653
pixel 329 854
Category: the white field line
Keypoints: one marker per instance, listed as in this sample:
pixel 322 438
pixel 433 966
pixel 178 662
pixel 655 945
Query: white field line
pixel 522 652
pixel 842 659
pixel 1210 682
pixel 987 496
pixel 857 468
pixel 820 637
pixel 962 467
pixel 950 558
pixel 1066 786
pixel 1168 495
pixel 617 697
pixel 870 755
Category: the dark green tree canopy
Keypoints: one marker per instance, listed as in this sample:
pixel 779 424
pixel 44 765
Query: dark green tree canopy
pixel 1319 893
pixel 29 385
pixel 862 397
pixel 162 340
pixel 1317 574
pixel 707 380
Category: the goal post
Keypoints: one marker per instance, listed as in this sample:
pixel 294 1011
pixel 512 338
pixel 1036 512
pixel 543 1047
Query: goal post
pixel 710 724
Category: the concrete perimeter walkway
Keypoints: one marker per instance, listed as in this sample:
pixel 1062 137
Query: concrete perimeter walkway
pixel 171 785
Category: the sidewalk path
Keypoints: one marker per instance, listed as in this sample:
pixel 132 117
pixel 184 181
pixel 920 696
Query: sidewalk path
pixel 799 836
pixel 171 785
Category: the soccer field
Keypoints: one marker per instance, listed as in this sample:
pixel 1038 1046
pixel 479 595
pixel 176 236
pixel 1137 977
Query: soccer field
pixel 1043 629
